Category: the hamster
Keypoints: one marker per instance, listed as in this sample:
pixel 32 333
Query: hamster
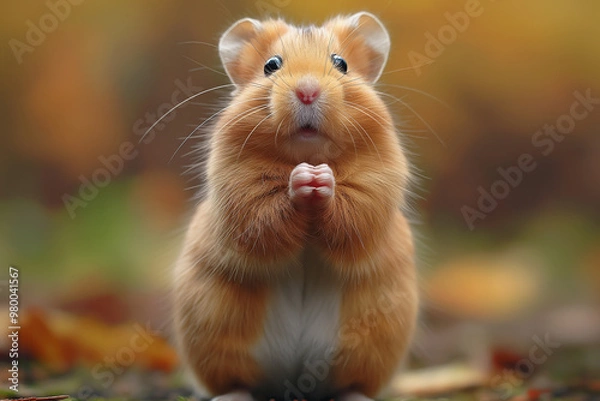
pixel 297 279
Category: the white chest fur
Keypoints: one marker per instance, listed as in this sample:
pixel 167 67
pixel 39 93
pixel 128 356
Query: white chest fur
pixel 300 332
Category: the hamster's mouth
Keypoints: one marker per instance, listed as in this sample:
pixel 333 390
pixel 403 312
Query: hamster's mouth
pixel 309 143
pixel 307 132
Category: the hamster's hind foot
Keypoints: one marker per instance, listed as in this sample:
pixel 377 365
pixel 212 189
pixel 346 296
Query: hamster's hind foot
pixel 353 396
pixel 240 395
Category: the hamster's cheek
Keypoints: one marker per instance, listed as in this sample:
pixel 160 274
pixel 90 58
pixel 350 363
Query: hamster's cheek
pixel 280 106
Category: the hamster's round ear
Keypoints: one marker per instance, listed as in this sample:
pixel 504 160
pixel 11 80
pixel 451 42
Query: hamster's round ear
pixel 231 45
pixel 376 38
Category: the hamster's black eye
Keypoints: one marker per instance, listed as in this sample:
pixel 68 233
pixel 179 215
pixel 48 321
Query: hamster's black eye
pixel 273 64
pixel 339 63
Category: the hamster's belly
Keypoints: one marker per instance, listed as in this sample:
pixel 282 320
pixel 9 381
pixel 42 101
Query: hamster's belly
pixel 300 333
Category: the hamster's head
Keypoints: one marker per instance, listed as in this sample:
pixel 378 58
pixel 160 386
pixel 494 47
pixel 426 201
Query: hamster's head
pixel 306 93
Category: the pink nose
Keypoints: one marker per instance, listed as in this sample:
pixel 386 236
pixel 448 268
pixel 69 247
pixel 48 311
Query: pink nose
pixel 308 92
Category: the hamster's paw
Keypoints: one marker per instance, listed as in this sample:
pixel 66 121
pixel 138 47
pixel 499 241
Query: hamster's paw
pixel 353 396
pixel 311 184
pixel 239 395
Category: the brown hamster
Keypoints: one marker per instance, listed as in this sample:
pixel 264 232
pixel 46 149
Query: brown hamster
pixel 297 278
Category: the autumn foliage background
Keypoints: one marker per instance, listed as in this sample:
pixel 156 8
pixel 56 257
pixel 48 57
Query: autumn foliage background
pixel 469 105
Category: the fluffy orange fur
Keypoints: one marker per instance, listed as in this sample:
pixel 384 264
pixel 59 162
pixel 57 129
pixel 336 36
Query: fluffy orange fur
pixel 247 229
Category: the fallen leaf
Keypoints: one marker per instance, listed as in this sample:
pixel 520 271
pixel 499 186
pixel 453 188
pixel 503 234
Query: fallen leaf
pixel 61 341
pixel 439 379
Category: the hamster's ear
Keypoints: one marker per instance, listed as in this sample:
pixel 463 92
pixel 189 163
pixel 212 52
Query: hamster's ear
pixel 376 38
pixel 231 45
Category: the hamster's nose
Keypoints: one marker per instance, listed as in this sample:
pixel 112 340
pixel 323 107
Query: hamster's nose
pixel 308 91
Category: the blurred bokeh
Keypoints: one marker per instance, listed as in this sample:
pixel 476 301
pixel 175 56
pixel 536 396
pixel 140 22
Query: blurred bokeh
pixel 499 102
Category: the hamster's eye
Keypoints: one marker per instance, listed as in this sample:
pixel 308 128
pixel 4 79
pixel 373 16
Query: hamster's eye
pixel 273 64
pixel 339 63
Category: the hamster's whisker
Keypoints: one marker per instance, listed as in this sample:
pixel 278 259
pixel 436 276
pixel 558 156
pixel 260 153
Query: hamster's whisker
pixel 195 95
pixel 373 114
pixel 242 116
pixel 286 82
pixel 350 135
pixel 259 53
pixel 328 85
pixel 405 104
pixel 272 79
pixel 355 83
pixel 366 133
pixel 414 67
pixel 222 4
pixel 400 126
pixel 357 130
pixel 349 81
pixel 256 84
pixel 238 102
pixel 228 107
pixel 368 112
pixel 203 66
pixel 284 56
pixel 408 88
pixel 192 187
pixel 191 134
pixel 328 55
pixel 277 131
pixel 343 76
pixel 251 132
pixel 189 168
pixel 234 120
pixel 351 85
pixel 201 104
pixel 358 126
pixel 395 99
pixel 197 42
pixel 415 131
pixel 283 49
pixel 403 126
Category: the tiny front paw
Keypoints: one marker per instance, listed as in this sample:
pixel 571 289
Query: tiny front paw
pixel 240 395
pixel 311 184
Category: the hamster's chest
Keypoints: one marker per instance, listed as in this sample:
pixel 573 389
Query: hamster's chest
pixel 302 324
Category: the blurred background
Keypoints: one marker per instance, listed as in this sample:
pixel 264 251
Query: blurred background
pixel 499 104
